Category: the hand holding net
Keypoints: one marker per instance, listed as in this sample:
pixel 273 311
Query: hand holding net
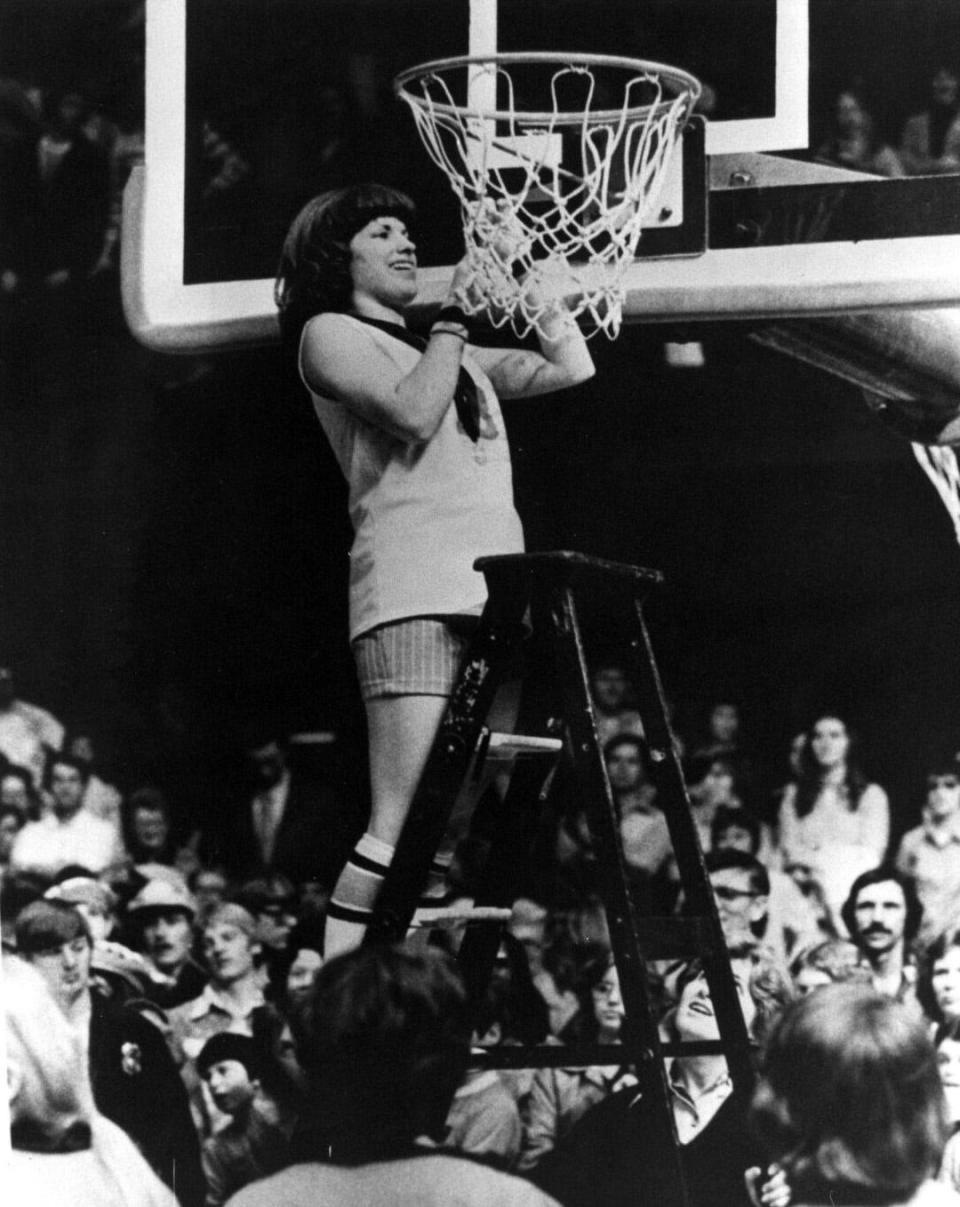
pixel 553 201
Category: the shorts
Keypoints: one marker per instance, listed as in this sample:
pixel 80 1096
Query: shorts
pixel 420 656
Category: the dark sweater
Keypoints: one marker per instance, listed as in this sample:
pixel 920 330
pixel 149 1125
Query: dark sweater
pixel 613 1158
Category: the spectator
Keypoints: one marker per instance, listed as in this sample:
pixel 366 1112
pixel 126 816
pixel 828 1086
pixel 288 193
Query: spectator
pixel 611 1157
pixel 385 1043
pixel 853 141
pixel 833 822
pixel 74 199
pixel 612 710
pixel 304 961
pixel 647 849
pixel 791 920
pixel 62 1150
pixel 134 1079
pixel 711 783
pixel 273 903
pixel 832 962
pixel 26 730
pixel 99 798
pixel 162 917
pixel 147 828
pixel 930 143
pixel 947 1043
pixel 210 888
pixel 929 855
pixel 68 834
pixel 560 1097
pixel 17 789
pixel 852 1122
pixel 938 983
pixel 11 823
pixel 96 902
pixel 253 1144
pixel 291 823
pixel 234 992
pixel 741 889
pixel 530 925
pixel 882 915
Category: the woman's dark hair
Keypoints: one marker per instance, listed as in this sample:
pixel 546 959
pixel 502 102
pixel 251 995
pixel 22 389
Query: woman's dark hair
pixel 314 272
pixel 811 773
pixel 727 816
pixel 934 952
pixel 45 925
pixel 850 1101
pixel 596 962
pixel 384 1040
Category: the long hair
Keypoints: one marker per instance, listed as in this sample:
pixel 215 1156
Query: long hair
pixel 810 783
pixel 314 272
pixel 936 951
pixel 850 1101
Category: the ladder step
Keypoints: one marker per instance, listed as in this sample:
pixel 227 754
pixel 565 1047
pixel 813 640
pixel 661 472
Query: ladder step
pixel 457 914
pixel 508 746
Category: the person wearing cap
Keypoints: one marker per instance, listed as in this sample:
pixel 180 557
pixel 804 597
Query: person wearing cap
pixel 162 915
pixel 231 952
pixel 253 1144
pixel 97 902
pixel 134 1079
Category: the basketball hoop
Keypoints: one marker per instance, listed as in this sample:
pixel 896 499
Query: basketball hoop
pixel 553 199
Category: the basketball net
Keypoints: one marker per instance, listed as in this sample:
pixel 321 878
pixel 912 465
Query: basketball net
pixel 939 463
pixel 553 203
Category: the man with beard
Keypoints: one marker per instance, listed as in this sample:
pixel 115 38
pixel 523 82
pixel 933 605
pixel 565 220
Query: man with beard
pixel 882 914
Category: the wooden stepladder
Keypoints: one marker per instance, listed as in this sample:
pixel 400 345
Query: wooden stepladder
pixel 532 617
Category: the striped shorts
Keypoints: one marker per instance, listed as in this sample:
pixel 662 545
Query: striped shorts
pixel 416 657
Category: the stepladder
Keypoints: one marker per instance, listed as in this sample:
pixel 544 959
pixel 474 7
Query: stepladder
pixel 532 632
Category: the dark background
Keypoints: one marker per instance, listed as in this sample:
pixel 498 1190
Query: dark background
pixel 173 540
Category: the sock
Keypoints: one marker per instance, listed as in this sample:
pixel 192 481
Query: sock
pixel 355 894
pixel 438 878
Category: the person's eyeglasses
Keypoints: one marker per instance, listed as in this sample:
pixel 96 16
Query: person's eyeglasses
pixel 725 893
pixel 942 781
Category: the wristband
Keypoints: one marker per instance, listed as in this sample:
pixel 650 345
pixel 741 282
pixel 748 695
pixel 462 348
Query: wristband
pixel 453 314
pixel 457 332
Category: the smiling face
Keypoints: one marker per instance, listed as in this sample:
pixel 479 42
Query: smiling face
pixel 695 1018
pixel 383 267
pixel 829 742
pixel 945 982
pixel 881 916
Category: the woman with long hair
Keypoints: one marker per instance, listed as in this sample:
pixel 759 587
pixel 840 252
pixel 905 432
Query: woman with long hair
pixel 834 823
pixel 938 985
pixel 560 1097
pixel 415 424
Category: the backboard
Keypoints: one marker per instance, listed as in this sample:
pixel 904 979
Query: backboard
pixel 253 106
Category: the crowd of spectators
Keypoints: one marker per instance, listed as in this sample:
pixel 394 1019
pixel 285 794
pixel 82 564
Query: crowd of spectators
pixel 185 959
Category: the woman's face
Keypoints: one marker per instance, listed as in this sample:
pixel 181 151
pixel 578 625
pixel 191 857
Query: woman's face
pixel 608 1004
pixel 302 974
pixel 849 113
pixel 830 742
pixel 695 1018
pixel 383 264
pixel 945 982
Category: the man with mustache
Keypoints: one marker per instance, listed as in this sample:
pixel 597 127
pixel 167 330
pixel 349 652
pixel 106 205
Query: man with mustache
pixel 882 914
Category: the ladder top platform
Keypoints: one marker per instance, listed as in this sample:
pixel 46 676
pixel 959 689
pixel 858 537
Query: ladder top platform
pixel 570 567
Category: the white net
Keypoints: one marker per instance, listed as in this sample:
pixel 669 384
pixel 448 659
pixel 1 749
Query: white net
pixel 553 203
